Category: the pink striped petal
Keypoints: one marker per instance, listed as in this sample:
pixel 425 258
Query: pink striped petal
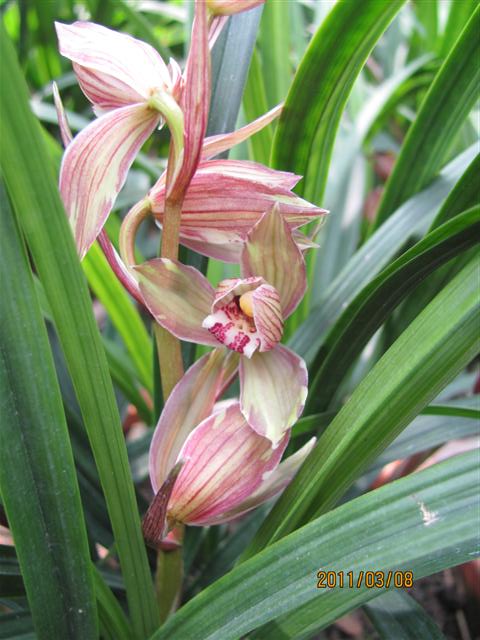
pixel 273 389
pixel 253 172
pixel 231 251
pixel 113 68
pixel 224 462
pixel 271 486
pixel 229 7
pixel 179 297
pixel 226 198
pixel 271 252
pixel 226 252
pixel 190 402
pixel 214 145
pixel 195 102
pixel 95 167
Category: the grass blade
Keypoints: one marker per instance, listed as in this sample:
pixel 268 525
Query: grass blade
pixel 306 130
pixel 365 534
pixel 434 348
pixel 451 97
pixel 374 304
pixel 37 474
pixel 41 214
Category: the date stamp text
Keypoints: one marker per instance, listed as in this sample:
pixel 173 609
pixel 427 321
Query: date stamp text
pixel 368 579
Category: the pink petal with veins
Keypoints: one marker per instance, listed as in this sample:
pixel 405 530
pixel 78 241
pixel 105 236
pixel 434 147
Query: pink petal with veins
pixel 195 102
pixel 224 462
pixel 273 390
pixel 271 252
pixel 214 145
pixel 191 401
pixel 113 68
pixel 226 198
pixel 95 166
pixel 271 485
pixel 178 296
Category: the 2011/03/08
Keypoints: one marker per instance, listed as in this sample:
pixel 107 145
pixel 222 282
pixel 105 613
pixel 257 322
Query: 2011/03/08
pixel 368 579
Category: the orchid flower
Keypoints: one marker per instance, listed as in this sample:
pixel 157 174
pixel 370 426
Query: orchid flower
pixel 207 465
pixel 245 315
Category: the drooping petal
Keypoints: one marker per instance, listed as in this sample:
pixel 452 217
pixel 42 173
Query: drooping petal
pixel 271 485
pixel 214 145
pixel 190 402
pixel 195 102
pixel 224 462
pixel 271 252
pixel 113 68
pixel 95 167
pixel 178 296
pixel 273 389
pixel 229 7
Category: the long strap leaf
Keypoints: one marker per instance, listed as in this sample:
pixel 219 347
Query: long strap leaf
pixel 426 517
pixel 433 349
pixel 37 203
pixel 37 475
pixel 373 305
pixel 306 131
pixel 451 96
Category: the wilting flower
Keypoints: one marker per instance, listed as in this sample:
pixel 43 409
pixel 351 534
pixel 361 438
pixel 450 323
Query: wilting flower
pixel 246 315
pixel 207 465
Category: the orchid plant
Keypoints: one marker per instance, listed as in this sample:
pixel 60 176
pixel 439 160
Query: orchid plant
pixel 164 472
pixel 236 211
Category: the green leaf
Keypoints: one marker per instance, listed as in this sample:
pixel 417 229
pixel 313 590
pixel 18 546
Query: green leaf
pixel 274 43
pixel 40 212
pixel 113 622
pixel 230 60
pixel 463 196
pixel 458 16
pixel 396 615
pixel 346 188
pixel 375 254
pixel 384 530
pixel 17 625
pixel 306 130
pixel 374 304
pixel 255 104
pixel 434 348
pixel 446 105
pixel 121 312
pixel 37 474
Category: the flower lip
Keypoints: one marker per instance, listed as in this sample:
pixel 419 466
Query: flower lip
pixel 255 324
